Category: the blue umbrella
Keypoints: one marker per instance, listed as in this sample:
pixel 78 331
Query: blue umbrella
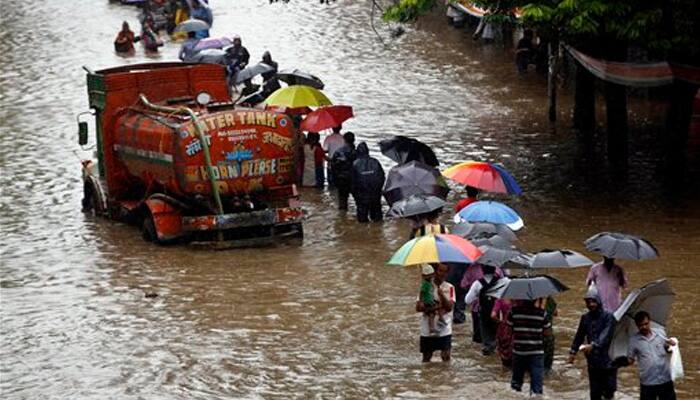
pixel 493 212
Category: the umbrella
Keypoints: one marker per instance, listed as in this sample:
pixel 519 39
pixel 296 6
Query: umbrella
pixel 441 248
pixel 192 25
pixel 210 56
pixel 299 77
pixel 473 230
pixel 559 259
pixel 492 240
pixel 287 110
pixel 529 288
pixel 493 212
pixel 484 176
pixel 495 256
pixel 213 43
pixel 621 245
pixel 415 205
pixel 655 298
pixel 326 118
pixel 298 96
pixel 251 71
pixel 414 178
pixel 403 149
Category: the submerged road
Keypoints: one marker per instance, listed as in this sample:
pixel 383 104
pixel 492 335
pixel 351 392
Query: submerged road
pixel 327 319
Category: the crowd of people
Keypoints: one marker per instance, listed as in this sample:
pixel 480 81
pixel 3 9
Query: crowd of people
pixel 519 332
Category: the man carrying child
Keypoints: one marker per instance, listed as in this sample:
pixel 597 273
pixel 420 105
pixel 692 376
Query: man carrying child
pixel 444 296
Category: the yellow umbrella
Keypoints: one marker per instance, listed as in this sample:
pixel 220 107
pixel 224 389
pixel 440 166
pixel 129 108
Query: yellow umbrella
pixel 298 96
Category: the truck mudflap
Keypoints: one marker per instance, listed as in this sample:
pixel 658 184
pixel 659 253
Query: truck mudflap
pixel 269 217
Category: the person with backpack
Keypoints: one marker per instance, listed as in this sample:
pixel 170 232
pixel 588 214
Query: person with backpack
pixel 366 184
pixel 341 167
pixel 479 291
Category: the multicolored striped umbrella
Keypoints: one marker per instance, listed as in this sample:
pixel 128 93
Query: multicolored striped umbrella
pixel 484 176
pixel 441 248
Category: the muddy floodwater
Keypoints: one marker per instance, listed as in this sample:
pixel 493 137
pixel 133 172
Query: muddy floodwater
pixel 327 319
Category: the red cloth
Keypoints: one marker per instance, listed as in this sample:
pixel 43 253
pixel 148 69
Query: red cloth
pixel 464 202
pixel 319 155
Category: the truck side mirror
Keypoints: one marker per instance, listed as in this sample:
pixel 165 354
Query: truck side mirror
pixel 82 133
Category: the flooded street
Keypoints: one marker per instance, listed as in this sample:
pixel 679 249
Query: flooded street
pixel 327 319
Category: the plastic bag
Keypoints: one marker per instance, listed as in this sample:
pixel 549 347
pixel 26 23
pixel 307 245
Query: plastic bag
pixel 675 362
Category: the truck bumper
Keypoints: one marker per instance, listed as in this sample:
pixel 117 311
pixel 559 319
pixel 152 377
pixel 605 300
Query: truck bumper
pixel 245 228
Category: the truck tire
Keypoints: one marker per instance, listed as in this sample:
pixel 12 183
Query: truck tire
pixel 148 230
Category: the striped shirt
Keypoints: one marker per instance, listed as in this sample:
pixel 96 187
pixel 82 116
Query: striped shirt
pixel 528 324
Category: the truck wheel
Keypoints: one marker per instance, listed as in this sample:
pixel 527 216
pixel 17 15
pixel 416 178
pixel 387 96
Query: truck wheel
pixel 148 230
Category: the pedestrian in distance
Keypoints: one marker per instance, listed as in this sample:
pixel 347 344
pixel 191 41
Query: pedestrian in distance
pixel 124 42
pixel 270 81
pixel 201 11
pixel 609 278
pixel 472 196
pixel 529 327
pixel 366 185
pixel 651 350
pixel 441 340
pixel 313 162
pixel 341 168
pixel 331 144
pixel 427 224
pixel 187 49
pixel 479 291
pixel 593 338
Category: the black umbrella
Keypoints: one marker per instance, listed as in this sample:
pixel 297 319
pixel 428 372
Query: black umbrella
pixel 403 149
pixel 412 178
pixel 415 205
pixel 299 77
pixel 529 288
pixel 621 245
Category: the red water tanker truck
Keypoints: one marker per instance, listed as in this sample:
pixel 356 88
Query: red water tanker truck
pixel 175 157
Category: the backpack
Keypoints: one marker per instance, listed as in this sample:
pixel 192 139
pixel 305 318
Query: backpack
pixel 486 302
pixel 341 163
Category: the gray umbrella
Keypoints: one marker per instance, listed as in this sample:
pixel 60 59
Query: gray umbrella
pixel 412 178
pixel 621 245
pixel 493 241
pixel 192 25
pixel 559 259
pixel 496 257
pixel 251 71
pixel 655 298
pixel 299 77
pixel 530 288
pixel 415 204
pixel 209 56
pixel 474 230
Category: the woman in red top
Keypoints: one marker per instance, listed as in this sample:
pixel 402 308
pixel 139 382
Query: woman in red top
pixel 124 43
pixel 472 193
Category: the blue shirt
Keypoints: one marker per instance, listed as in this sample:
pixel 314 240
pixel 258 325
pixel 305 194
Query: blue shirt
pixel 653 359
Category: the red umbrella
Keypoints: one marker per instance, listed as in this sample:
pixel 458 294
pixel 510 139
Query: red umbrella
pixel 326 118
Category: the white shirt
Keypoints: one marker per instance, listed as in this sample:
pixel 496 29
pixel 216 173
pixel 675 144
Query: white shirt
pixel 332 143
pixel 449 292
pixel 474 290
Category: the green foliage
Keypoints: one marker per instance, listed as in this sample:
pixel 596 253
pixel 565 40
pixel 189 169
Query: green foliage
pixel 407 10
